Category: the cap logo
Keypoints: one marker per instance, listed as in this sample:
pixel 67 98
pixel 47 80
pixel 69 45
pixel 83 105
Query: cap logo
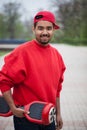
pixel 39 17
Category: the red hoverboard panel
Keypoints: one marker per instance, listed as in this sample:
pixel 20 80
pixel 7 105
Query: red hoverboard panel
pixel 4 108
pixel 40 112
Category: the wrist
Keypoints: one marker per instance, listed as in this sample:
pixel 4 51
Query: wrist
pixel 12 107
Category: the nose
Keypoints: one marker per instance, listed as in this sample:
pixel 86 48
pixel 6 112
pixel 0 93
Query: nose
pixel 45 31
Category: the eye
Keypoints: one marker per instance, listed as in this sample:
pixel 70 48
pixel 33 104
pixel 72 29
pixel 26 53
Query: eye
pixel 40 28
pixel 49 28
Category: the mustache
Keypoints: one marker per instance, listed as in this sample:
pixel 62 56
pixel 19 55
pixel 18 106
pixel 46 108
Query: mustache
pixel 45 35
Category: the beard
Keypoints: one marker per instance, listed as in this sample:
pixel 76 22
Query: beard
pixel 44 39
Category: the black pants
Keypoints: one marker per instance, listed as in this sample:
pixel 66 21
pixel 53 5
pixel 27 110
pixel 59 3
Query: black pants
pixel 24 124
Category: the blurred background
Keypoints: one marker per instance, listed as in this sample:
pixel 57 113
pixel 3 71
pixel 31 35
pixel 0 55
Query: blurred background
pixel 16 19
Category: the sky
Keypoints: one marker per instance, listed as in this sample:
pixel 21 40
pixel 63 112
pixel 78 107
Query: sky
pixel 29 7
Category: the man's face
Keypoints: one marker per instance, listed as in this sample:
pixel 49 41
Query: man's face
pixel 43 32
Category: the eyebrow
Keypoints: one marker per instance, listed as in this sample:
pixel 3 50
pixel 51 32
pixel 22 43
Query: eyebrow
pixel 43 26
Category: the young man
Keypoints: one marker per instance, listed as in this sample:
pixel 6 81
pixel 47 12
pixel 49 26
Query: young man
pixel 35 72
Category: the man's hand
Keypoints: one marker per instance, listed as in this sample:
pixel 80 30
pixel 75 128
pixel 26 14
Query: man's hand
pixel 19 112
pixel 59 122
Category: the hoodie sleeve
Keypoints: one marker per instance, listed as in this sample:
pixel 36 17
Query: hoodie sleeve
pixel 13 71
pixel 62 70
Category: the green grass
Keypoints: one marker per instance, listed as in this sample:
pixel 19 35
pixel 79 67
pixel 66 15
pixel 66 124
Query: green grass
pixel 3 52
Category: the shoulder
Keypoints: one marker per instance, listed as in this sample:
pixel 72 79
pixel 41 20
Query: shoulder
pixel 18 51
pixel 58 55
pixel 55 50
pixel 22 48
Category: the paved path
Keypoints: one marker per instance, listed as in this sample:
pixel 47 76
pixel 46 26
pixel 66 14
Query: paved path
pixel 74 93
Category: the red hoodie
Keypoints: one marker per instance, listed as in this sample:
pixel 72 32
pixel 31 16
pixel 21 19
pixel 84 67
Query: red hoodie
pixel 35 72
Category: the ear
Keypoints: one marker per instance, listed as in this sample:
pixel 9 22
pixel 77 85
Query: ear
pixel 33 29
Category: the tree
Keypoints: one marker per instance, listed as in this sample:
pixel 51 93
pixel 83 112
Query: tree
pixel 84 19
pixel 2 26
pixel 72 15
pixel 11 17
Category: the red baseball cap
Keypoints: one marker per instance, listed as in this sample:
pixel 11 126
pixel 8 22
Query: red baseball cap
pixel 46 16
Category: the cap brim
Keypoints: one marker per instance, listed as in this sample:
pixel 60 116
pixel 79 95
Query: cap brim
pixel 56 26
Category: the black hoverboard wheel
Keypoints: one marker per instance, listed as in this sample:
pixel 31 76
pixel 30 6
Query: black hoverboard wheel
pixel 52 115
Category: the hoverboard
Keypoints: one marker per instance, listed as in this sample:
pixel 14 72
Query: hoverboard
pixel 39 112
pixel 4 108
